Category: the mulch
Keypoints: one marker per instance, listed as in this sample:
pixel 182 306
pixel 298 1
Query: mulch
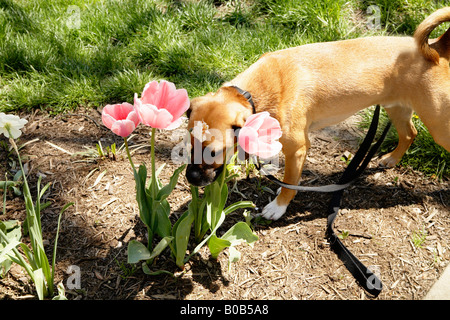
pixel 396 221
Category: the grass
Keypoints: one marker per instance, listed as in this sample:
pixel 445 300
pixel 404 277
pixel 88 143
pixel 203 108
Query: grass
pixel 423 155
pixel 58 55
pixel 418 238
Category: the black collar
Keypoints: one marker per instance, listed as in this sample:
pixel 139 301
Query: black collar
pixel 247 96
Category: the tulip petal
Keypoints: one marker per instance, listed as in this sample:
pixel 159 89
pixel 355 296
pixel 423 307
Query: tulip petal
pixel 134 117
pixel 260 134
pixel 268 150
pixel 178 103
pixel 107 120
pixel 269 135
pixel 271 127
pixel 123 128
pixel 175 124
pixel 256 120
pixel 248 140
pixel 164 95
pixel 163 119
pixel 149 93
pixel 151 116
pixel 165 91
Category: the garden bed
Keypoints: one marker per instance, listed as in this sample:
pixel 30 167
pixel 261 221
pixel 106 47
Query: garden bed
pixel 395 220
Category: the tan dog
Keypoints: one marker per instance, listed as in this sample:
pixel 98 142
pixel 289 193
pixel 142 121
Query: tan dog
pixel 317 85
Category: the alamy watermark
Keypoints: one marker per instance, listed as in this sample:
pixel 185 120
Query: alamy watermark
pixel 74 280
pixel 73 17
pixel 374 17
pixel 373 281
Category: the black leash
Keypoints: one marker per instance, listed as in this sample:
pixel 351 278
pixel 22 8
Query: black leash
pixel 365 277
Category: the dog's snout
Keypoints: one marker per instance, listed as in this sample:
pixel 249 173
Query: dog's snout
pixel 197 176
pixel 193 175
pixel 200 177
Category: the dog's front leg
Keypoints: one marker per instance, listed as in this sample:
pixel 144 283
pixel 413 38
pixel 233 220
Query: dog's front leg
pixel 294 159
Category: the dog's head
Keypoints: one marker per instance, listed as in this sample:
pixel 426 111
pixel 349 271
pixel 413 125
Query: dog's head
pixel 213 122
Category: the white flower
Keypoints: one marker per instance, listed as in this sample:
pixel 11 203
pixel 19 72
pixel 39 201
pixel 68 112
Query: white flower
pixel 10 125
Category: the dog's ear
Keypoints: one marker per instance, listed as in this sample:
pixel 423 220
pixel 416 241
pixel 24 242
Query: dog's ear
pixel 188 112
pixel 193 103
pixel 242 114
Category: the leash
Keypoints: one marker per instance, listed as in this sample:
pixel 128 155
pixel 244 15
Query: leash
pixel 363 275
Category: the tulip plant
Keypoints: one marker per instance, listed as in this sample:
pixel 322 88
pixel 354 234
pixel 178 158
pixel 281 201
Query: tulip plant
pixel 161 106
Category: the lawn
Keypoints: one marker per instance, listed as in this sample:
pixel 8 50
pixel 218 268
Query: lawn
pixel 59 55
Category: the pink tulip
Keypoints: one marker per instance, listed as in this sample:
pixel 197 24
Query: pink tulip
pixel 161 105
pixel 120 118
pixel 259 135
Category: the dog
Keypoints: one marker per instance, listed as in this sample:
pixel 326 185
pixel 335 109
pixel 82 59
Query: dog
pixel 317 85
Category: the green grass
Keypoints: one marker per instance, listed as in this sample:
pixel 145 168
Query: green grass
pixel 51 60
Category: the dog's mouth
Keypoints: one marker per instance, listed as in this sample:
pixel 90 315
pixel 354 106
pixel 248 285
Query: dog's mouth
pixel 201 177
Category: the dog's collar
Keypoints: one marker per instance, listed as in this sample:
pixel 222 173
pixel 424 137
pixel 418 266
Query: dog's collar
pixel 247 96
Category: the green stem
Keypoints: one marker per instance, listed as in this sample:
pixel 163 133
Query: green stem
pixel 198 216
pixel 125 139
pixel 154 191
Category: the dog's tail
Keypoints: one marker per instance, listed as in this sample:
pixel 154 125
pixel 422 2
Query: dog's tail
pixel 441 46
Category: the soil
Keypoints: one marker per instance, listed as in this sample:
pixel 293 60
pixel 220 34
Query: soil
pixel 396 221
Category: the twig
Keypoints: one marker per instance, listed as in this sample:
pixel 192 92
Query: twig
pixel 87 117
pixel 59 148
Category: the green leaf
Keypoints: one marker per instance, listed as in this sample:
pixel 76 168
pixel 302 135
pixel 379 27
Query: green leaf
pixel 216 245
pixel 161 246
pixel 181 232
pixel 11 227
pixel 234 256
pixel 215 197
pixel 61 292
pixel 137 252
pixel 167 189
pixel 142 198
pixel 39 283
pixel 6 249
pixel 7 184
pixel 163 224
pixel 239 233
pixel 55 246
pixel 238 205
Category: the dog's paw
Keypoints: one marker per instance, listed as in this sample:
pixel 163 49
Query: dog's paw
pixel 388 161
pixel 273 211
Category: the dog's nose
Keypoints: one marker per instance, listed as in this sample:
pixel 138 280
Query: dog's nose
pixel 194 175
